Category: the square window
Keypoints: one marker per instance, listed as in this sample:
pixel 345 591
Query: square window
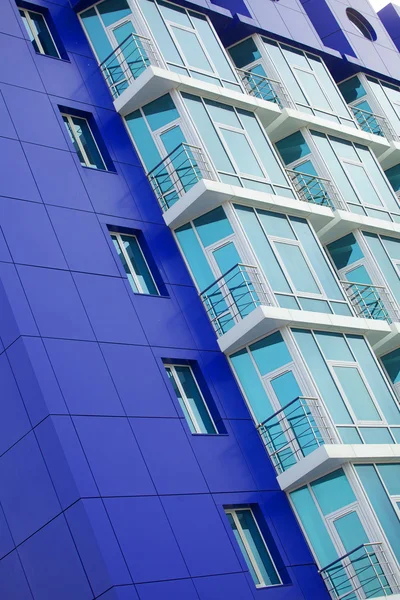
pixel 253 547
pixel 192 401
pixel 134 263
pixel 39 33
pixel 84 141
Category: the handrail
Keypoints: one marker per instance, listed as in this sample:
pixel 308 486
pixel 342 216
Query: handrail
pixel 255 83
pixel 308 175
pixel 315 189
pixel 224 276
pixel 364 295
pixel 285 407
pixel 383 124
pixel 348 554
pixel 132 34
pixel 163 160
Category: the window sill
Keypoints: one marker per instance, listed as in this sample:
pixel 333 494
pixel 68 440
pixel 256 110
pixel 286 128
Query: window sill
pixel 59 58
pixel 210 434
pixel 99 170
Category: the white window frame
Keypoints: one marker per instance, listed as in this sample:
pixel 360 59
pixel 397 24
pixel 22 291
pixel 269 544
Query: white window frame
pixel 85 157
pixel 262 584
pixel 172 367
pixel 129 262
pixel 31 26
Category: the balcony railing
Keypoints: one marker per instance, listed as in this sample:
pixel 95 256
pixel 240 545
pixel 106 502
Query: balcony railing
pixel 233 296
pixel 372 301
pixel 127 62
pixel 373 123
pixel 314 189
pixel 178 172
pixel 295 431
pixel 264 88
pixel 365 572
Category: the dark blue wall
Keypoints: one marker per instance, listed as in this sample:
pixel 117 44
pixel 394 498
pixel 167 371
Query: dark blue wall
pixel 101 482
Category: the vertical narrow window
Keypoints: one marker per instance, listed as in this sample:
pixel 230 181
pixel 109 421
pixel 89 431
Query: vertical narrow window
pixel 253 547
pixel 191 399
pixel 39 32
pixel 135 264
pixel 84 143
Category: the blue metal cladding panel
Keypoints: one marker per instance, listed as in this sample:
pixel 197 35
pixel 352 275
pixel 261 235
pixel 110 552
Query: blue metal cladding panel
pixel 103 490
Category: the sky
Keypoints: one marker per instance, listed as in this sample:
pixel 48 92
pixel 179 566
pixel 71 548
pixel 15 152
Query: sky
pixel 378 4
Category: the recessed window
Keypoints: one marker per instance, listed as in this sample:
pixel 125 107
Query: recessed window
pixel 191 399
pixel 253 547
pixel 39 32
pixel 134 263
pixel 363 26
pixel 84 142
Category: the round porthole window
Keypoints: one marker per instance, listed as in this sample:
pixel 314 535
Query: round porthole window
pixel 362 24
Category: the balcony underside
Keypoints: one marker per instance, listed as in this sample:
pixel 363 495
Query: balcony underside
pixel 156 81
pixel 265 319
pixel 391 156
pixel 345 222
pixel 329 457
pixel 390 342
pixel 292 120
pixel 207 194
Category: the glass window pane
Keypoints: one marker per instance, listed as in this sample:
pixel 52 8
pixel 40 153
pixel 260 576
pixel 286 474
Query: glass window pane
pixel 270 353
pixel 195 400
pixel 357 393
pixel 41 31
pixel 243 549
pixel 73 140
pixel 242 153
pixel 192 50
pixel 181 402
pixel 311 86
pixel 297 268
pixel 83 133
pixel 257 547
pixel 124 263
pixel 365 189
pixel 139 265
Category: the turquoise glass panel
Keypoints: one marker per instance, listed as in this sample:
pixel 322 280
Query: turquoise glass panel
pixel 192 50
pixel 389 271
pixel 391 362
pixel 322 377
pixel 345 251
pixel 349 435
pixel 244 53
pixel 392 247
pixel 181 402
pixel 134 53
pixel 396 434
pixel 388 97
pixel 310 85
pixel 287 301
pixel 393 175
pixel 276 224
pixel 381 504
pixel 143 140
pixel 260 186
pixel 195 256
pixel 124 264
pixel 297 268
pixel 359 275
pixel 351 531
pixel 363 185
pixel 213 226
pixel 344 148
pixel 208 133
pixel 334 346
pixel 243 549
pixel 376 435
pixel 340 308
pixel 306 167
pixel 317 258
pixel 270 353
pixel 112 11
pixel 160 32
pixel 380 182
pixel 172 138
pixel 286 388
pixel 223 114
pixel 242 153
pixel 195 400
pixel 139 264
pixel 182 160
pixel 214 49
pixel 160 112
pixel 357 393
pixel 263 148
pixel 251 385
pixel 293 148
pixel 390 474
pixel 375 379
pixel 333 492
pixel 174 13
pixel 259 86
pixel 352 89
pixel 226 257
pixel 96 33
pixel 284 70
pixel 313 305
pixel 335 167
pixel 328 86
pixel 314 526
pixel 262 249
pixel 257 548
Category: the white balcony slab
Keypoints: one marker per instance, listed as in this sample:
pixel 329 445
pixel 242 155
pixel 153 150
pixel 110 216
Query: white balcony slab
pixel 291 120
pixel 156 81
pixel 207 195
pixel 265 319
pixel 390 342
pixel 345 222
pixel 329 457
pixel 391 156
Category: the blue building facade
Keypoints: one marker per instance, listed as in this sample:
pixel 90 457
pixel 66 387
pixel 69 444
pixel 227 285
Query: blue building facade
pixel 199 300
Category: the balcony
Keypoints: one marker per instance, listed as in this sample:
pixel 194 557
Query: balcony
pixel 242 309
pixel 374 124
pixel 364 572
pixel 318 190
pixel 295 431
pixel 265 88
pixel 372 301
